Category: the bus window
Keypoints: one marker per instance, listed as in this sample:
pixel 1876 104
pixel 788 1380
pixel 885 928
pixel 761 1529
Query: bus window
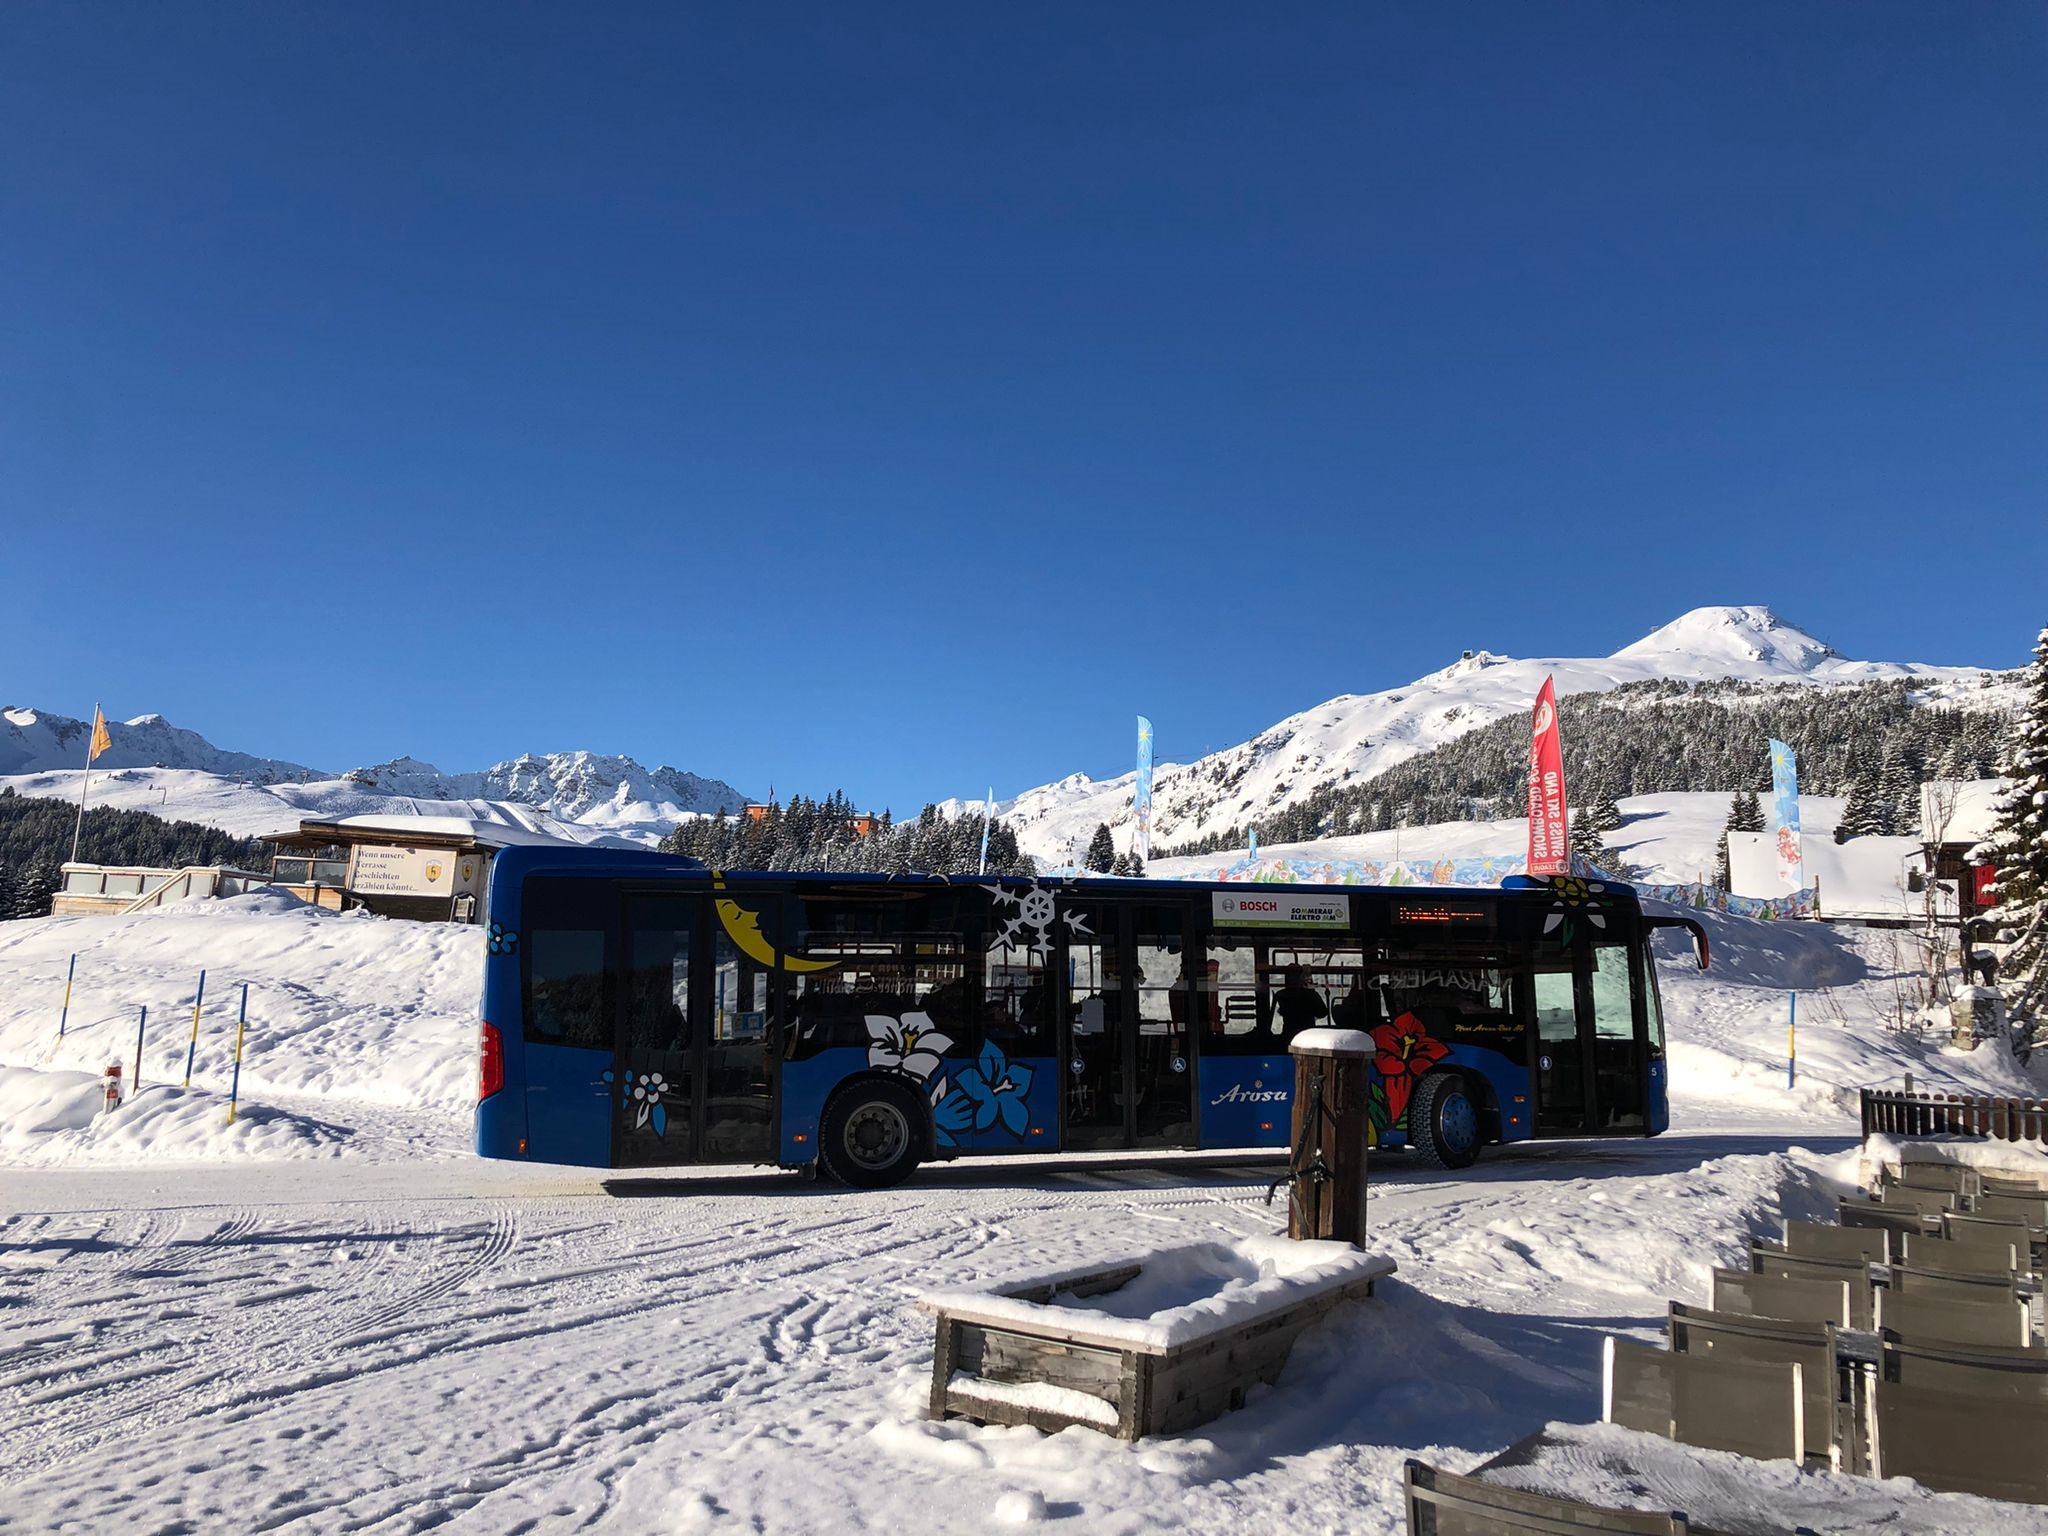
pixel 566 987
pixel 1163 1079
pixel 658 980
pixel 1612 1019
pixel 1016 1003
pixel 1614 1034
pixel 1653 1007
pixel 1229 988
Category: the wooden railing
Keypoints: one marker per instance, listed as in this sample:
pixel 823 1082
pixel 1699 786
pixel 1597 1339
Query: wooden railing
pixel 1886 1113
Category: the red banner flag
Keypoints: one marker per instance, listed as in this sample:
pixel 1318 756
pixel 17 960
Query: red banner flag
pixel 1549 821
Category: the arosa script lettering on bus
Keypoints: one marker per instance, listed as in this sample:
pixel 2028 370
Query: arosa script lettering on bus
pixel 1237 1094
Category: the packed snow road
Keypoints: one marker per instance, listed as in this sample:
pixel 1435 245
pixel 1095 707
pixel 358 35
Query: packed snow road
pixel 391 1348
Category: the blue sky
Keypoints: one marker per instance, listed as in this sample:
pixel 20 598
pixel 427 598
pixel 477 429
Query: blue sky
pixel 900 398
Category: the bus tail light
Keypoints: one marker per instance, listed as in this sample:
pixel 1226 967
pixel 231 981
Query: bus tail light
pixel 492 1076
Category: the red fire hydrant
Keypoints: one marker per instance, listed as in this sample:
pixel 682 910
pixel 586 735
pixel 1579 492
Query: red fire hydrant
pixel 113 1077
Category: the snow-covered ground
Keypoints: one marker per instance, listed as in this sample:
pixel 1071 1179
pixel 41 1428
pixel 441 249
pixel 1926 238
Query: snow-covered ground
pixel 331 1317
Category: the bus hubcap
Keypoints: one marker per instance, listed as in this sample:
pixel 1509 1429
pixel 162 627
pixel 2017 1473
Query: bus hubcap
pixel 876 1135
pixel 1459 1121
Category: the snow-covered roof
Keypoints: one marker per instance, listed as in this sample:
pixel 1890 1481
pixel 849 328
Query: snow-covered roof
pixel 494 825
pixel 1960 810
pixel 1864 877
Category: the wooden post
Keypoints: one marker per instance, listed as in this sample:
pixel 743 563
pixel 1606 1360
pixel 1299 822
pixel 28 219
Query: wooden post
pixel 1327 1202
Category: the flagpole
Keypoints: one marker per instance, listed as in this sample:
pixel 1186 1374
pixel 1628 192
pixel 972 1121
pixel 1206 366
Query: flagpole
pixel 84 779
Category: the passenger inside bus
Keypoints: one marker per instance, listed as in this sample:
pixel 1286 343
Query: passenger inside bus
pixel 1299 1005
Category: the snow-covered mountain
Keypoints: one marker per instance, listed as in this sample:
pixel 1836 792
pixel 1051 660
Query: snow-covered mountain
pixel 32 741
pixel 1356 736
pixel 158 767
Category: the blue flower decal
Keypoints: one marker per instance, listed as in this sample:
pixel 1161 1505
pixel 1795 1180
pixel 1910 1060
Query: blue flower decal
pixel 994 1088
pixel 641 1092
pixel 502 940
pixel 952 1113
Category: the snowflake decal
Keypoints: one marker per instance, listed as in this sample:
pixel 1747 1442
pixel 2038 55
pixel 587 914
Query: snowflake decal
pixel 1029 917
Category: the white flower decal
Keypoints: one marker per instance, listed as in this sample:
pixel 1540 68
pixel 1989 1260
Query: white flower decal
pixel 910 1045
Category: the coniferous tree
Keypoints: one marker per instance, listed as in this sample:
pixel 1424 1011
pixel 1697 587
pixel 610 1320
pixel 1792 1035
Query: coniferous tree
pixel 1865 813
pixel 35 888
pixel 1898 788
pixel 1581 839
pixel 1101 855
pixel 1745 814
pixel 2019 850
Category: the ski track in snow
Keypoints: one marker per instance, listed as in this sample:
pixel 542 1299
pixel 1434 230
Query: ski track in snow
pixel 331 1317
pixel 295 1354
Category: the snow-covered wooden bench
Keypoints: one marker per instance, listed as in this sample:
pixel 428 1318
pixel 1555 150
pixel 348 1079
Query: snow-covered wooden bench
pixel 1144 1346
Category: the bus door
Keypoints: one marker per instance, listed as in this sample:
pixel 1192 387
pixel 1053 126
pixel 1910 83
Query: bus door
pixel 694 1064
pixel 1592 1053
pixel 568 950
pixel 741 1049
pixel 1562 1104
pixel 1125 1042
pixel 654 1101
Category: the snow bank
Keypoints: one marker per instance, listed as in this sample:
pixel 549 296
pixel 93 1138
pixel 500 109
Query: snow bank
pixel 53 1118
pixel 351 1017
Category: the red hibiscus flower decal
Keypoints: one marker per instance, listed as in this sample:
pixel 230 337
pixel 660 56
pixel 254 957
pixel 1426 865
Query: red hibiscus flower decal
pixel 1406 1050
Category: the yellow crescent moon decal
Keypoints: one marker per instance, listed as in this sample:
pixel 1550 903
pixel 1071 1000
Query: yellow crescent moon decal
pixel 744 928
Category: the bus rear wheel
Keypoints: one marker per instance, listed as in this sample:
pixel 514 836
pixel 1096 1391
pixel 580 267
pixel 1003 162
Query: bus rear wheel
pixel 873 1135
pixel 1443 1121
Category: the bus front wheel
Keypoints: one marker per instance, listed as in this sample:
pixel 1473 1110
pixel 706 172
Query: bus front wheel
pixel 873 1135
pixel 1443 1121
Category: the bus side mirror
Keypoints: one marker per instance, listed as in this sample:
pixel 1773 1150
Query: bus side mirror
pixel 1691 926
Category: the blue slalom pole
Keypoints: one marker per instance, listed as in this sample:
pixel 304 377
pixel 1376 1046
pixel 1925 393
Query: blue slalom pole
pixel 198 1002
pixel 241 1023
pixel 136 1086
pixel 1791 1038
pixel 65 1014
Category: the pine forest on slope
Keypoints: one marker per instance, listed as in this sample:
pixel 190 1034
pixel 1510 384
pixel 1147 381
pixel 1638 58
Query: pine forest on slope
pixel 1652 737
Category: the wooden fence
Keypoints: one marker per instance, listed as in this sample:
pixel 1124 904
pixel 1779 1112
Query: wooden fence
pixel 1948 1114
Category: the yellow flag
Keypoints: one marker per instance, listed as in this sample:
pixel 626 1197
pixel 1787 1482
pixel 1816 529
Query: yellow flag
pixel 100 739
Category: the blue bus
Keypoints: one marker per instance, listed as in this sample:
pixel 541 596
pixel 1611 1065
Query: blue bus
pixel 643 1011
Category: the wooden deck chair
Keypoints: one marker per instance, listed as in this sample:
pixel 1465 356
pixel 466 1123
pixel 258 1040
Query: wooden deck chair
pixel 1745 1294
pixel 1444 1504
pixel 2011 1181
pixel 1960 1228
pixel 1928 1202
pixel 1989 1324
pixel 1990 1375
pixel 1780 1265
pixel 1976 1260
pixel 1769 1341
pixel 1865 1213
pixel 1742 1406
pixel 1953 1177
pixel 1812 1240
pixel 1958 1442
pixel 1939 1285
pixel 1635 1390
pixel 2032 1210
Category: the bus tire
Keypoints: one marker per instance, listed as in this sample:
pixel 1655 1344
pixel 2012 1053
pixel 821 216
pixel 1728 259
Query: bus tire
pixel 873 1134
pixel 1443 1121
